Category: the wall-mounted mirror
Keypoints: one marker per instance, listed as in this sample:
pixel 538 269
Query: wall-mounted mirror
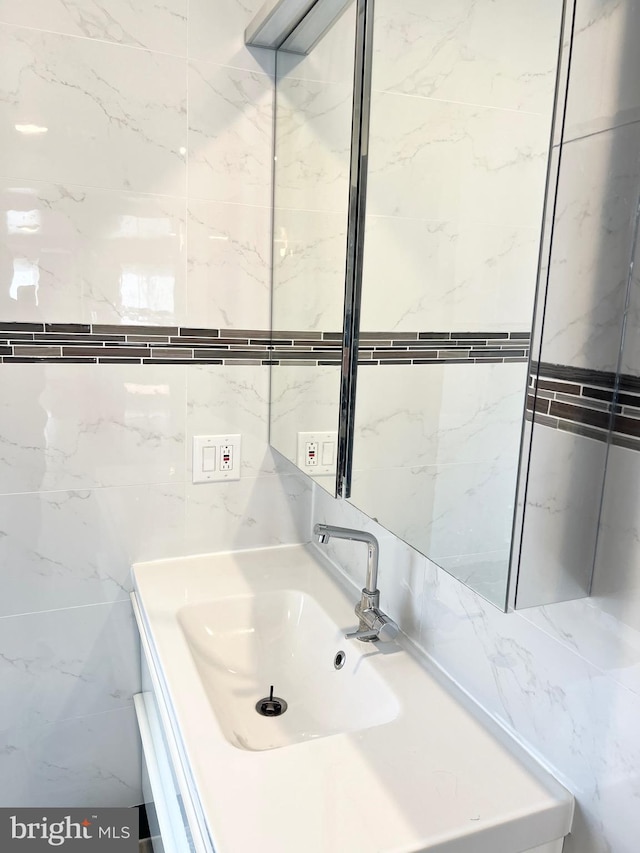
pixel 462 103
pixel 314 103
pixel 462 98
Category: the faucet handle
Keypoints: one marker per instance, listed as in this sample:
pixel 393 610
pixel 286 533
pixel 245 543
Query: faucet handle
pixel 362 635
pixel 380 627
pixel 388 631
pixel 384 626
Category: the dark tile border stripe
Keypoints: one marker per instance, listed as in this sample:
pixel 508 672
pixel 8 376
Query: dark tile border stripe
pixel 585 402
pixel 83 343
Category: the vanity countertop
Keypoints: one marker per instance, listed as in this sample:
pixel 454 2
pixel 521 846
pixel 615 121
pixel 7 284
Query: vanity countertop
pixel 417 770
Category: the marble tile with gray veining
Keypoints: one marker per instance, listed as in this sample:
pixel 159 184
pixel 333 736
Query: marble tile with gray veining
pixel 85 761
pixel 75 255
pixel 229 251
pixel 249 513
pixel 230 134
pixel 605 66
pixel 596 635
pixel 455 275
pixel 592 244
pixel 553 700
pixel 485 573
pixel 161 25
pixel 303 399
pixel 445 161
pixel 441 510
pixel 66 663
pixel 231 399
pixel 414 415
pixel 313 145
pixel 66 549
pixel 75 426
pixel 62 96
pixel 216 34
pixel 309 247
pixel 500 54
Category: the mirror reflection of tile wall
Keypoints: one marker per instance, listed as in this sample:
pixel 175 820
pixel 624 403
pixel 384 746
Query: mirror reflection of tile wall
pixel 313 149
pixel 580 530
pixel 462 106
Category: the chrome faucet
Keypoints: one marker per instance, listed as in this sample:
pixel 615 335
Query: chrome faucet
pixel 374 625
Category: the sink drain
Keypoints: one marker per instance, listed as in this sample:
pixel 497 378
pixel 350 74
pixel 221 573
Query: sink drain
pixel 271 706
pixel 339 660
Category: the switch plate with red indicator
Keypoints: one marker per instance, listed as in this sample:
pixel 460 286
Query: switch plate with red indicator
pixel 317 452
pixel 216 457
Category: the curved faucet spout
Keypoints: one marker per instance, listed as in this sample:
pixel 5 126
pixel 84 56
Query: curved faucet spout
pixel 374 625
pixel 324 532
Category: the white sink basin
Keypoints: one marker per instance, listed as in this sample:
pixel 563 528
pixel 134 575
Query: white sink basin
pixel 382 756
pixel 245 644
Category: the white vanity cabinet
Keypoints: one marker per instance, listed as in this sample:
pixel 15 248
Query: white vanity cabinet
pixel 173 821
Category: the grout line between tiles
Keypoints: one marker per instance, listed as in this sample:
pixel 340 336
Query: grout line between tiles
pixel 184 57
pixel 109 604
pixel 575 651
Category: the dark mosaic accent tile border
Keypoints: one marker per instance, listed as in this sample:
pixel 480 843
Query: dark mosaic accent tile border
pixel 81 343
pixel 443 347
pixel 582 401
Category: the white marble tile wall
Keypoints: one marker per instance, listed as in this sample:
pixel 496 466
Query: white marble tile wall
pixel 589 279
pixel 309 246
pixel 98 492
pixel 562 679
pixel 120 22
pixel 303 399
pixel 461 111
pixel 311 194
pixel 449 512
pixel 604 67
pixel 444 161
pixel 83 254
pixel 179 175
pixel 313 144
pixel 135 175
pixel 630 358
pixel 446 438
pixel 450 51
pixel 598 193
pixel 445 277
pixel 438 414
pixel 598 190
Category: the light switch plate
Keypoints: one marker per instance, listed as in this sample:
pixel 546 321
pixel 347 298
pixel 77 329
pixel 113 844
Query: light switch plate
pixel 317 452
pixel 216 458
